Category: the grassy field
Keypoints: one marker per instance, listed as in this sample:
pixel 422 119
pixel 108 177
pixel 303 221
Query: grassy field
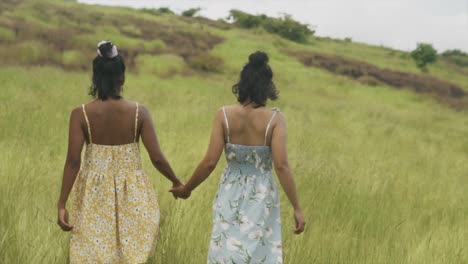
pixel 381 173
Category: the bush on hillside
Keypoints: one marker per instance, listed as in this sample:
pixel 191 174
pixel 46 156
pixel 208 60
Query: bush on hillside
pixel 158 11
pixel 285 26
pixel 245 20
pixel 456 56
pixel 191 12
pixel 288 28
pixel 424 54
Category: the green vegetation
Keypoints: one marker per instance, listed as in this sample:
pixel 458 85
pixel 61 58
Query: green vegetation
pixel 191 12
pixel 7 34
pixel 381 172
pixel 207 63
pixel 456 56
pixel 158 11
pixel 285 26
pixel 423 55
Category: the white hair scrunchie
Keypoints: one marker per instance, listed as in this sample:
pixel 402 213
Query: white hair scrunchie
pixel 113 52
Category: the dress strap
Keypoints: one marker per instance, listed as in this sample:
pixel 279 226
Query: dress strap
pixel 87 124
pixel 136 124
pixel 275 111
pixel 227 123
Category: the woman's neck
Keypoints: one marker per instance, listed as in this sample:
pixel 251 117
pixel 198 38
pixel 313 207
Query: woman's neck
pixel 251 105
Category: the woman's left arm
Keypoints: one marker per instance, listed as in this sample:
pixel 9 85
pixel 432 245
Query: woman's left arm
pixel 72 166
pixel 209 162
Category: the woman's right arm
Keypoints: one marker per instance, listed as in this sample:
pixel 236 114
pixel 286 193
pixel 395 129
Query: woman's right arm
pixel 76 141
pixel 280 160
pixel 150 141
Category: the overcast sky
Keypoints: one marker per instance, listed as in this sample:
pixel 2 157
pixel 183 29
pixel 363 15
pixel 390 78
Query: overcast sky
pixel 397 24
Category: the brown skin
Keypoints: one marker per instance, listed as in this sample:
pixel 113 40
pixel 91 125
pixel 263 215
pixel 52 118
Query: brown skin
pixel 76 140
pixel 279 155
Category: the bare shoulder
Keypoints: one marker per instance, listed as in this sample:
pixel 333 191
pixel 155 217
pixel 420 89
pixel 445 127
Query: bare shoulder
pixel 227 108
pixel 142 107
pixel 279 114
pixel 219 113
pixel 76 112
pixel 280 119
pixel 143 111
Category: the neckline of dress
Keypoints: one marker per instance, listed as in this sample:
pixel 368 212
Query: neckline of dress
pixel 264 146
pixel 118 145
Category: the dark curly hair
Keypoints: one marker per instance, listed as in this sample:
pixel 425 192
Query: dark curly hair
pixel 108 72
pixel 256 81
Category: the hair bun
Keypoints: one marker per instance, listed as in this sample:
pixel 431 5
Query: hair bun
pixel 258 59
pixel 106 49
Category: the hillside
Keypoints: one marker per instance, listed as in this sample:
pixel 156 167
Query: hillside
pixel 378 148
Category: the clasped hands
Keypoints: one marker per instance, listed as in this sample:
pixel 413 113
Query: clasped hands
pixel 179 190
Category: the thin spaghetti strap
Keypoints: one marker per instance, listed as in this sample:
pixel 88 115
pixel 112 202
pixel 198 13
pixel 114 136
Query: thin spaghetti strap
pixel 227 124
pixel 87 124
pixel 276 110
pixel 136 124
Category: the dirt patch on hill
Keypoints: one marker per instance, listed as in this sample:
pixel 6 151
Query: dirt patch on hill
pixel 55 35
pixel 443 91
pixel 7 5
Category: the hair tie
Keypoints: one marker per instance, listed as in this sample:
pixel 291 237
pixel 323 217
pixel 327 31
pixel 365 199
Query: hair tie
pixel 111 54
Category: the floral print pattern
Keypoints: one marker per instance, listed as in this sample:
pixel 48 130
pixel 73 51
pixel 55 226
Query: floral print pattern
pixel 246 211
pixel 114 210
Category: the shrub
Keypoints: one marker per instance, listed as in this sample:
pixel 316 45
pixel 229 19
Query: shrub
pixel 288 28
pixel 245 20
pixel 158 11
pixel 191 12
pixel 206 62
pixel 423 55
pixel 456 56
pixel 284 26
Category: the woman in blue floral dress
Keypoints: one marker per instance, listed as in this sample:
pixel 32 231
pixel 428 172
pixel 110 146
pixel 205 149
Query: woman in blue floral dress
pixel 246 210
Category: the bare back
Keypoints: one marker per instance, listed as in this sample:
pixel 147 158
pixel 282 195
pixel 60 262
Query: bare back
pixel 112 122
pixel 249 126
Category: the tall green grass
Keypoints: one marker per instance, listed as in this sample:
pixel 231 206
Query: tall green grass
pixel 381 173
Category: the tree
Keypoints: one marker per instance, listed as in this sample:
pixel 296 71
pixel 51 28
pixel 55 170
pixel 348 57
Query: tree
pixel 191 12
pixel 288 28
pixel 245 20
pixel 423 55
pixel 284 26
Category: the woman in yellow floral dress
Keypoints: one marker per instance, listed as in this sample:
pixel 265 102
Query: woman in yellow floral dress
pixel 114 214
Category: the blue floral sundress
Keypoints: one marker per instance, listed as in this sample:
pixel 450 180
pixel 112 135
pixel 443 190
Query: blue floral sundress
pixel 246 209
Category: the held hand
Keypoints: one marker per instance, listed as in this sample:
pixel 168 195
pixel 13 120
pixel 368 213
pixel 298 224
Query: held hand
pixel 180 192
pixel 176 184
pixel 63 219
pixel 300 222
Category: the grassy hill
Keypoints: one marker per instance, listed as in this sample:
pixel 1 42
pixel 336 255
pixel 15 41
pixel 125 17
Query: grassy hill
pixel 378 148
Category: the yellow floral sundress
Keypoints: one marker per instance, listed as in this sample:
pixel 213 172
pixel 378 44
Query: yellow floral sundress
pixel 114 213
